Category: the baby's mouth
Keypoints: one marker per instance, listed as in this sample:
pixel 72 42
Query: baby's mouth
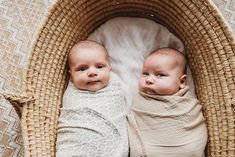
pixel 93 82
pixel 148 91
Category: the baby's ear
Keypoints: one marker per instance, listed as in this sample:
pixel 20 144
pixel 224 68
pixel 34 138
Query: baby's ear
pixel 183 81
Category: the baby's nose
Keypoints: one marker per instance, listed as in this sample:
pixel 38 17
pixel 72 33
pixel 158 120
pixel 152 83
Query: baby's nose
pixel 92 72
pixel 149 81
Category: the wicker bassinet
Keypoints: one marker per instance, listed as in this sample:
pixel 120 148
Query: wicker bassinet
pixel 208 40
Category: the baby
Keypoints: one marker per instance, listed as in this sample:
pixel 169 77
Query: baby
pixel 93 116
pixel 165 120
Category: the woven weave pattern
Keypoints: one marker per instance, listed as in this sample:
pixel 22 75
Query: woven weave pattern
pixel 18 24
pixel 10 135
pixel 209 41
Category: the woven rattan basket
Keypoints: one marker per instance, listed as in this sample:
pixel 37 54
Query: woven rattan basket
pixel 208 40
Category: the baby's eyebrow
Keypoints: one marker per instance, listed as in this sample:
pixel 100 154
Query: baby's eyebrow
pixel 100 63
pixel 81 66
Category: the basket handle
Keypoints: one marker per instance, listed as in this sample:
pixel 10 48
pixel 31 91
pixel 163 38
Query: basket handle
pixel 18 100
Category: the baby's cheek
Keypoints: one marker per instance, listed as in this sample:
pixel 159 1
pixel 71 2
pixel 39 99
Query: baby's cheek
pixel 141 83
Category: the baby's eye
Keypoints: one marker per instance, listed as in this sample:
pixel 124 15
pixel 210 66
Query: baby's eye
pixel 145 73
pixel 160 75
pixel 82 68
pixel 99 66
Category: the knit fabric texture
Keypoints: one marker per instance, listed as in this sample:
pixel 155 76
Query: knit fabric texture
pixel 167 126
pixel 93 124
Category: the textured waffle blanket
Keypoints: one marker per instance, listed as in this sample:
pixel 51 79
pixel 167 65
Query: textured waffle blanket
pixel 167 126
pixel 93 124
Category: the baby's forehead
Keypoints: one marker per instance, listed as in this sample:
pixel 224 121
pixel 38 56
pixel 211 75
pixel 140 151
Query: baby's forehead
pixel 157 59
pixel 173 54
pixel 168 52
pixel 174 57
pixel 87 45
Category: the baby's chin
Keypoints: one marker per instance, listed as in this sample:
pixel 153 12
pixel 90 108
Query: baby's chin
pixel 95 87
pixel 148 91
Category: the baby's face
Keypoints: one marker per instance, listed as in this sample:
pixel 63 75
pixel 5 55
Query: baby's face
pixel 161 75
pixel 89 69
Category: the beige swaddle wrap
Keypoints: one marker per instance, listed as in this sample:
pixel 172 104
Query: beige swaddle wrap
pixel 167 126
pixel 93 124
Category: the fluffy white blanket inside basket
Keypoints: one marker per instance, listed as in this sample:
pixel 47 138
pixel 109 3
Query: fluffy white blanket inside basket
pixel 128 41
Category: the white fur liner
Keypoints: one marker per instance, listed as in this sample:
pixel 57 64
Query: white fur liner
pixel 128 41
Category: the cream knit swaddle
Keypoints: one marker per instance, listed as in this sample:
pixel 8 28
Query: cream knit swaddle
pixel 93 124
pixel 167 126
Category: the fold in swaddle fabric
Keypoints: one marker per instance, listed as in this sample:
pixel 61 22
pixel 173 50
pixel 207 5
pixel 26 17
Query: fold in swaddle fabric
pixel 167 126
pixel 93 124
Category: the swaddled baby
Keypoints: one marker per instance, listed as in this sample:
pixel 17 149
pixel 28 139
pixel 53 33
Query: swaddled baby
pixel 165 120
pixel 93 116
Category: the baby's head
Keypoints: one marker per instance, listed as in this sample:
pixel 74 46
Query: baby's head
pixel 163 73
pixel 89 66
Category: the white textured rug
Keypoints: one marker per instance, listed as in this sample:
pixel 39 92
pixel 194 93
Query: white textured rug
pixel 19 22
